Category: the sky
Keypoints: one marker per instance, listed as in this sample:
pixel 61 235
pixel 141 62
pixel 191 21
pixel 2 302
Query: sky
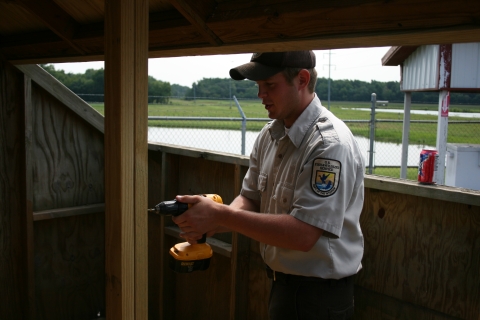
pixel 342 64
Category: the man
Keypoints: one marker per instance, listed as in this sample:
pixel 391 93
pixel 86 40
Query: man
pixel 306 180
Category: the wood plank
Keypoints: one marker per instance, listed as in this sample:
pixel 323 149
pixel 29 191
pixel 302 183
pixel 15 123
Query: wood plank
pixel 409 187
pixel 192 15
pixel 68 212
pixel 422 251
pixel 258 285
pixel 275 26
pixel 199 153
pixel 239 262
pixel 64 95
pixel 55 18
pixel 15 246
pixel 140 133
pixel 169 188
pixel 126 154
pixel 29 189
pixel 372 305
pixel 68 156
pixel 70 267
pixel 155 237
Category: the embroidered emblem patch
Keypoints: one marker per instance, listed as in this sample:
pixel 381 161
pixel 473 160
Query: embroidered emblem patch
pixel 325 176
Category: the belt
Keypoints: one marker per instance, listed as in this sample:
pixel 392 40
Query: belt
pixel 288 278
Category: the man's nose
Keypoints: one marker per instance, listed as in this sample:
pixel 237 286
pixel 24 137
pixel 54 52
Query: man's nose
pixel 261 92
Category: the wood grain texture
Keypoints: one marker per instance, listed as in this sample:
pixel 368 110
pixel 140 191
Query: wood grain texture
pixel 252 26
pixel 258 285
pixel 68 166
pixel 15 246
pixel 422 251
pixel 204 294
pixel 67 212
pixel 69 267
pixel 410 187
pixel 141 157
pixel 69 99
pixel 28 202
pixel 240 261
pixel 155 237
pixel 126 232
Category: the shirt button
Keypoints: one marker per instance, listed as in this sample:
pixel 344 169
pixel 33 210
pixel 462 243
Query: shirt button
pixel 284 200
pixel 280 156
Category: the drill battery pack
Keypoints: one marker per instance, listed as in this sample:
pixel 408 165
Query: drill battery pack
pixel 186 257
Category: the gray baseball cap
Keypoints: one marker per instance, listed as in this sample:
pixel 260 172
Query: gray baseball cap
pixel 263 65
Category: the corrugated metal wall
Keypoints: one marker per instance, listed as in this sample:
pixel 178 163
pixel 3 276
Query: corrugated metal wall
pixel 420 69
pixel 465 65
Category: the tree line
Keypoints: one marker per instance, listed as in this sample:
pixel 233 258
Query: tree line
pixel 90 87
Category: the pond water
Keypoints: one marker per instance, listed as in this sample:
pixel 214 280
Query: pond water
pixel 230 141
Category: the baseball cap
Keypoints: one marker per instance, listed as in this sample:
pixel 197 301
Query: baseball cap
pixel 263 65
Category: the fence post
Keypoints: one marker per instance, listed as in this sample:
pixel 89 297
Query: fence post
pixel 372 133
pixel 244 124
pixel 407 103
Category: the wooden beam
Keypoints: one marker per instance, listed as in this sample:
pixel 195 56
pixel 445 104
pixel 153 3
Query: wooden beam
pixel 68 212
pixel 253 26
pixel 186 9
pixel 55 18
pixel 17 287
pixel 64 95
pixel 437 192
pixel 239 262
pixel 126 83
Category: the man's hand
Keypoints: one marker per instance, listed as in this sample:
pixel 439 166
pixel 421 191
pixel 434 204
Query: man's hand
pixel 199 219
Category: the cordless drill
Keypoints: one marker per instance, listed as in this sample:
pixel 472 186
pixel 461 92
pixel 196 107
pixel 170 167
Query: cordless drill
pixel 186 257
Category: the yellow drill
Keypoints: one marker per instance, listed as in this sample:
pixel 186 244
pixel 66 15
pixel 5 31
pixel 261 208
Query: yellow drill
pixel 186 257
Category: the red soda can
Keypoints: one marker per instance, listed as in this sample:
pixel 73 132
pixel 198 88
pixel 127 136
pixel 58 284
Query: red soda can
pixel 428 166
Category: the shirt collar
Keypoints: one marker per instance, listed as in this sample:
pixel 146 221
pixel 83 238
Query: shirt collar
pixel 300 126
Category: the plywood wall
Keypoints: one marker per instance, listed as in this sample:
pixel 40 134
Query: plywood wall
pixel 52 261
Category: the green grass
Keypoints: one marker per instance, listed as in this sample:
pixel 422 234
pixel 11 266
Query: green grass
pixel 394 172
pixel 420 133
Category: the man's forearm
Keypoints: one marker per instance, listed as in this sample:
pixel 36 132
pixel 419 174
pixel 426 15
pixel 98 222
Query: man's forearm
pixel 242 203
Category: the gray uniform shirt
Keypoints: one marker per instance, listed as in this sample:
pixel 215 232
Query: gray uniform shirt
pixel 314 173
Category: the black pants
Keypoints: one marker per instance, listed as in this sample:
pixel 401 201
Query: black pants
pixel 305 298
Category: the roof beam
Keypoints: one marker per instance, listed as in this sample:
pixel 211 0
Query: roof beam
pixel 189 12
pixel 55 18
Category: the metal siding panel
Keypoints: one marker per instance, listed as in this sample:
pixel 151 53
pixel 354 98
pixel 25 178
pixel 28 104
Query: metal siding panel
pixel 466 65
pixel 420 70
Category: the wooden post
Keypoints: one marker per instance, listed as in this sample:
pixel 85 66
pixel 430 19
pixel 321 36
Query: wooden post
pixel 126 158
pixel 239 262
pixel 28 213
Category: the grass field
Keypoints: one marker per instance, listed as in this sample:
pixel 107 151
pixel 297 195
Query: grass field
pixel 420 133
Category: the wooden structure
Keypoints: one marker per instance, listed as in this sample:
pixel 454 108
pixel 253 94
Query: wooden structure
pixel 76 241
pixel 444 68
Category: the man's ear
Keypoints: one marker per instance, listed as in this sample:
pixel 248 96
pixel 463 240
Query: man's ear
pixel 303 79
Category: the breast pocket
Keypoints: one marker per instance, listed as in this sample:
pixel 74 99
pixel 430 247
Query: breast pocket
pixel 285 199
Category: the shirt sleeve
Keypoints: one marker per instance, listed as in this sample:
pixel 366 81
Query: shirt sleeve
pixel 325 184
pixel 250 185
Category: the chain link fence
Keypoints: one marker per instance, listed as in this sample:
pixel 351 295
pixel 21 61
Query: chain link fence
pixel 382 156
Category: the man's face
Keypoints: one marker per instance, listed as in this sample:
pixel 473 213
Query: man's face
pixel 280 98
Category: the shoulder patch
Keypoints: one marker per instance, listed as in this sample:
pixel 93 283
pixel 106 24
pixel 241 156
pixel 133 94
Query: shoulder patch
pixel 325 176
